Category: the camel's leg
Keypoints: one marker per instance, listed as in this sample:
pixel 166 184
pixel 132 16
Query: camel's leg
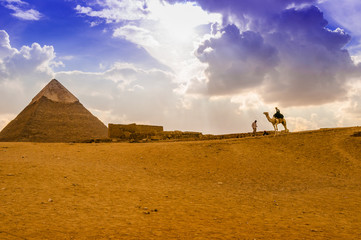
pixel 285 125
pixel 276 128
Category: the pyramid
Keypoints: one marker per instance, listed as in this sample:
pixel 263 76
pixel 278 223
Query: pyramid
pixel 54 115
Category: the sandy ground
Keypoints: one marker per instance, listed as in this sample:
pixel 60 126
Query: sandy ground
pixel 295 186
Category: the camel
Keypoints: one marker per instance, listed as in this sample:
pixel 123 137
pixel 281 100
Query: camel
pixel 276 121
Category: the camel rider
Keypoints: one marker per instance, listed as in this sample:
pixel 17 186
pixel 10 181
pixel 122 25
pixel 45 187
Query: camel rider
pixel 278 114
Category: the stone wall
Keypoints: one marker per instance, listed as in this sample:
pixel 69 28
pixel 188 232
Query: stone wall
pixel 147 133
pixel 124 131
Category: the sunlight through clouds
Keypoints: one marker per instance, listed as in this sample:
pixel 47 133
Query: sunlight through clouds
pixel 180 20
pixel 168 32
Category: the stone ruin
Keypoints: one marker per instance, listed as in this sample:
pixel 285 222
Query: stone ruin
pixel 146 133
pixel 124 130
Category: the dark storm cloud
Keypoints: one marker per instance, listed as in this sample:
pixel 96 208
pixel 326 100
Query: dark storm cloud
pixel 236 61
pixel 287 53
pixel 314 66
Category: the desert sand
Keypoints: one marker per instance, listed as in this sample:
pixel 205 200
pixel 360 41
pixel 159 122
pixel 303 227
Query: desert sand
pixel 304 185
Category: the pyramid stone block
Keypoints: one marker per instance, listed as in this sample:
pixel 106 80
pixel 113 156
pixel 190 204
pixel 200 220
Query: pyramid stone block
pixel 54 115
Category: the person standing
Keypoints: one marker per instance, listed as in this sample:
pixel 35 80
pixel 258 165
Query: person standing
pixel 254 126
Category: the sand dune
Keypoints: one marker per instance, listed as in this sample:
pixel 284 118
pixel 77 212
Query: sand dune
pixel 297 186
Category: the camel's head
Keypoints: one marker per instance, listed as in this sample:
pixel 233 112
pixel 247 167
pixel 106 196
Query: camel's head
pixel 266 113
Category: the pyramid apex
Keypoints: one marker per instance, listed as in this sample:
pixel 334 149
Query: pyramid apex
pixel 55 92
pixel 54 81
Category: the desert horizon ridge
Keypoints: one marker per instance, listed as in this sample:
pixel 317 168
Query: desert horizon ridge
pixel 303 185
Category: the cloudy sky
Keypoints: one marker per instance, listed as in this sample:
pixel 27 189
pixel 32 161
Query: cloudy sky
pixel 204 65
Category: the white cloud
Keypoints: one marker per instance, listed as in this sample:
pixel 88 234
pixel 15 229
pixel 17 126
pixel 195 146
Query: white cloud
pixel 95 23
pixel 21 10
pixel 116 11
pixel 35 59
pixel 5 47
pixel 30 14
pixel 136 35
pixel 356 59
